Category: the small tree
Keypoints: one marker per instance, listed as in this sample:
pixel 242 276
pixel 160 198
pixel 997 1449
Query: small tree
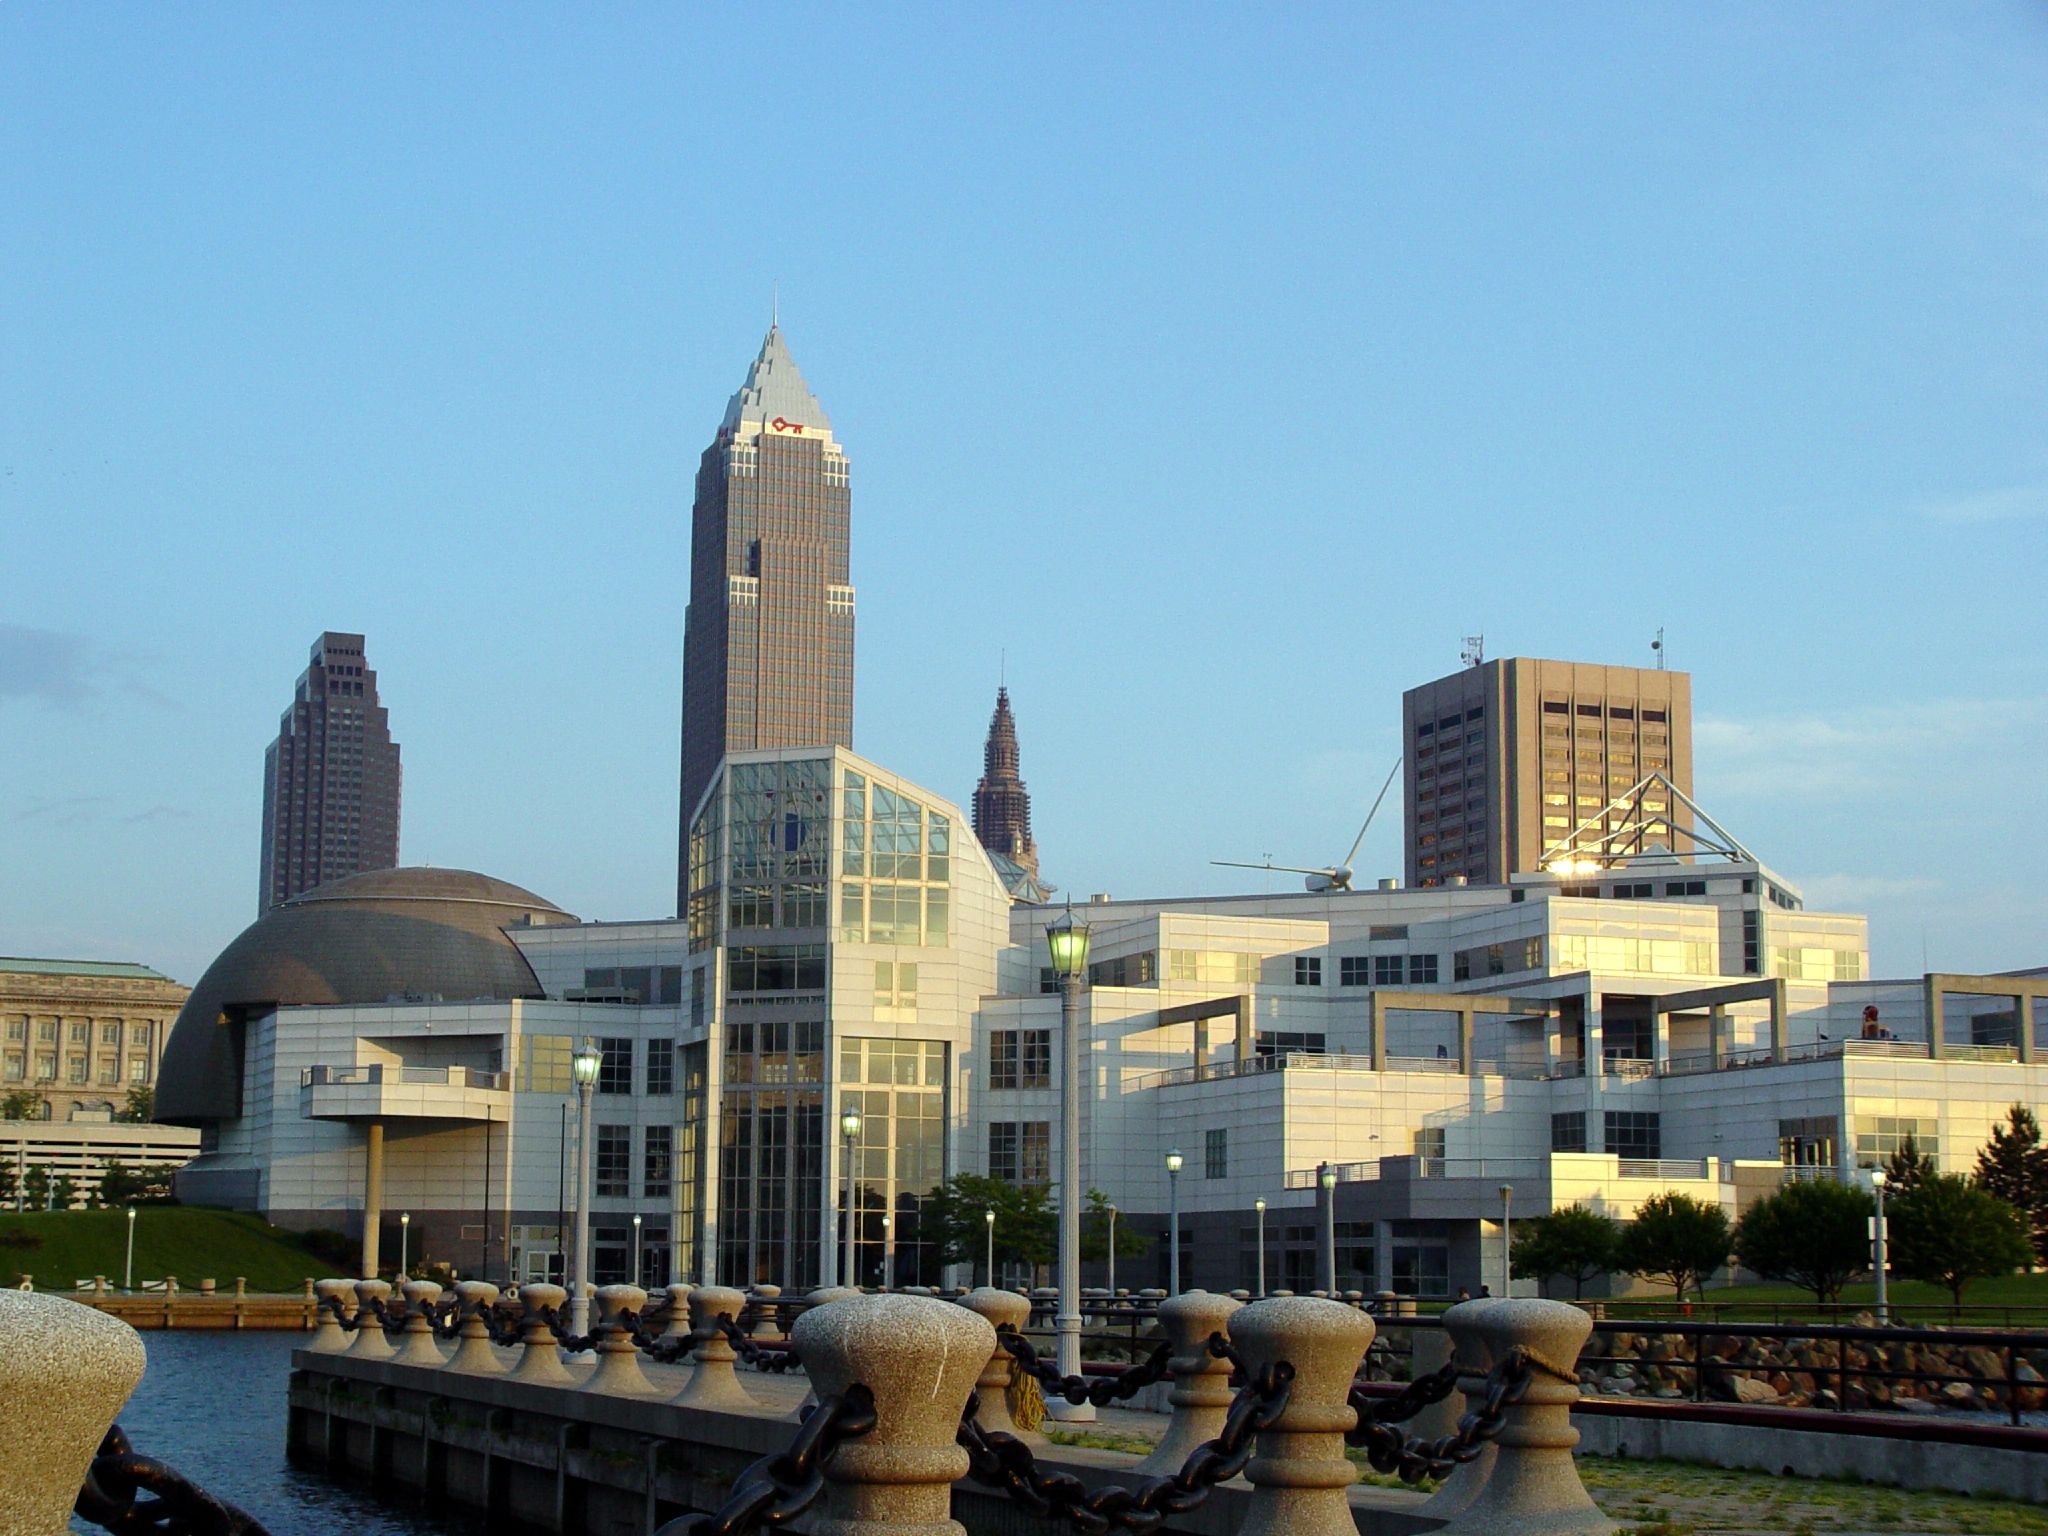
pixel 1577 1243
pixel 1095 1232
pixel 63 1190
pixel 955 1217
pixel 1815 1233
pixel 35 1187
pixel 21 1104
pixel 1947 1230
pixel 140 1105
pixel 2013 1166
pixel 1676 1239
pixel 1908 1166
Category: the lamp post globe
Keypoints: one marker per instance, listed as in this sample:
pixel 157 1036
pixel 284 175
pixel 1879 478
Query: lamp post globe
pixel 1507 1244
pixel 1326 1176
pixel 584 1066
pixel 989 1217
pixel 1066 940
pixel 1173 1162
pixel 1879 1263
pixel 1259 1206
pixel 849 1133
pixel 1112 1248
pixel 404 1245
pixel 128 1270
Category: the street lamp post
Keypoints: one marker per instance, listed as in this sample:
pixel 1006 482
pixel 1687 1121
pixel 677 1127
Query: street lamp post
pixel 1878 1264
pixel 1112 1250
pixel 1327 1177
pixel 584 1067
pixel 849 1131
pixel 1507 1240
pixel 638 1277
pixel 1173 1222
pixel 989 1216
pixel 1259 1205
pixel 128 1270
pixel 888 1249
pixel 1067 939
pixel 404 1245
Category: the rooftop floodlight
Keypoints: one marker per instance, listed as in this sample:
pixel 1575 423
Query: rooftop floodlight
pixel 1067 937
pixel 586 1061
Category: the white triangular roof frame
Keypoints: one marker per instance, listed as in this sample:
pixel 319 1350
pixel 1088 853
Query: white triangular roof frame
pixel 1625 843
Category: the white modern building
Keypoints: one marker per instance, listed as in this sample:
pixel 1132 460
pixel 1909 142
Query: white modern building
pixel 400 1042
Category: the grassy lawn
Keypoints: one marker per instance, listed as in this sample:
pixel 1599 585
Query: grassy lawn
pixel 1922 1299
pixel 186 1241
pixel 1670 1498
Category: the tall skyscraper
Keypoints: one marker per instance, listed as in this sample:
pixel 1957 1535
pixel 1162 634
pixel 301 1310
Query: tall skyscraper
pixel 330 780
pixel 1508 758
pixel 1002 805
pixel 768 638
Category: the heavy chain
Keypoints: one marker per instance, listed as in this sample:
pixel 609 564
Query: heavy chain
pixel 1413 1460
pixel 1103 1390
pixel 1423 1392
pixel 778 1488
pixel 1003 1461
pixel 175 1506
pixel 760 1359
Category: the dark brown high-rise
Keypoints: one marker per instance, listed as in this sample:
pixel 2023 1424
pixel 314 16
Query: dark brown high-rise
pixel 768 638
pixel 1002 805
pixel 331 779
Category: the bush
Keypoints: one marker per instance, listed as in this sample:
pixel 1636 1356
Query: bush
pixel 1815 1234
pixel 19 1237
pixel 336 1248
pixel 1677 1239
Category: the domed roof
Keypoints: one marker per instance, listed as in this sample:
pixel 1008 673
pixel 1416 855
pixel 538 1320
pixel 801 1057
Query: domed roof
pixel 380 936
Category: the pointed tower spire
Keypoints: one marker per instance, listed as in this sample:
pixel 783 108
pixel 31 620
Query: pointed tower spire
pixel 1002 805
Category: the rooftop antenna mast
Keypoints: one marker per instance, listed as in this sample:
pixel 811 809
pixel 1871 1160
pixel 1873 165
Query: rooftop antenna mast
pixel 1657 645
pixel 1474 652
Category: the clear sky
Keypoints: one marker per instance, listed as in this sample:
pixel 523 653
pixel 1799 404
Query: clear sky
pixel 1221 365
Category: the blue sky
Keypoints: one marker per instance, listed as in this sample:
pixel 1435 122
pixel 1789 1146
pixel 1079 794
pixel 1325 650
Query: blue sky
pixel 1222 366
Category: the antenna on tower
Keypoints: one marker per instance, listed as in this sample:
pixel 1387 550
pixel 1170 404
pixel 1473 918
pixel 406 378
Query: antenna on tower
pixel 1474 652
pixel 1657 646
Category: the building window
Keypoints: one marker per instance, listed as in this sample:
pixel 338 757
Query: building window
pixel 1020 1151
pixel 17 1029
pixel 1020 1058
pixel 661 1067
pixel 1429 1152
pixel 138 1069
pixel 110 1070
pixel 615 1072
pixel 1685 887
pixel 545 1063
pixel 75 1069
pixel 1422 968
pixel 777 967
pixel 1568 1131
pixel 614 1173
pixel 81 1031
pixel 1389 970
pixel 1633 890
pixel 1879 1136
pixel 1308 971
pixel 1215 1154
pixel 17 1069
pixel 110 1033
pixel 46 1069
pixel 658 1161
pixel 1283 1042
pixel 1353 970
pixel 1808 1142
pixel 1633 1133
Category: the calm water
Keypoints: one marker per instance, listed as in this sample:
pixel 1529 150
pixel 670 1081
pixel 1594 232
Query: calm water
pixel 213 1406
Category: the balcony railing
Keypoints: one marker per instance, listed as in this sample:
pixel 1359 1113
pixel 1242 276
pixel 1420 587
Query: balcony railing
pixel 438 1077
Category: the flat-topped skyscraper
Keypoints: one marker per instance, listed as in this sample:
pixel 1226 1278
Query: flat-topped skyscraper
pixel 331 779
pixel 768 637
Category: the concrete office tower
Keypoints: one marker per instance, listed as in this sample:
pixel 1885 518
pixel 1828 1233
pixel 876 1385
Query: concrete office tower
pixel 1002 805
pixel 331 779
pixel 1508 758
pixel 768 638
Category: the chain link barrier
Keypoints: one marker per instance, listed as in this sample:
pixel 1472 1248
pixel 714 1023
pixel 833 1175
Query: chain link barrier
pixel 114 1498
pixel 1000 1460
pixel 776 1360
pixel 1103 1390
pixel 778 1488
pixel 1388 1450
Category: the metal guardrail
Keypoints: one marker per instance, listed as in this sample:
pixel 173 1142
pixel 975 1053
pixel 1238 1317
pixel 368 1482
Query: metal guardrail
pixel 379 1074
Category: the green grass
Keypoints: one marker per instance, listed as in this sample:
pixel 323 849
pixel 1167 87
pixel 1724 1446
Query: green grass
pixel 187 1241
pixel 1919 1296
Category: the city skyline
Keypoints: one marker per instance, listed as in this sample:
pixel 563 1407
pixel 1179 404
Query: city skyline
pixel 1727 326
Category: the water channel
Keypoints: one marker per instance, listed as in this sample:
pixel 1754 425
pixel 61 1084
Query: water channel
pixel 212 1405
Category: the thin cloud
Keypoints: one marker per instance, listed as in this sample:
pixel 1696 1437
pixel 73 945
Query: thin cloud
pixel 2014 504
pixel 66 810
pixel 51 665
pixel 1855 753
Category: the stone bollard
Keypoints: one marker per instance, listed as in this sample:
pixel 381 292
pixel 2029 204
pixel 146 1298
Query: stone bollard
pixel 1201 1382
pixel 65 1371
pixel 417 1344
pixel 766 1324
pixel 1299 1464
pixel 99 1285
pixel 329 1337
pixel 678 1312
pixel 309 1289
pixel 618 1357
pixel 474 1355
pixel 207 1287
pixel 712 1383
pixel 540 1351
pixel 919 1357
pixel 1534 1486
pixel 170 1285
pixel 1474 1361
pixel 824 1295
pixel 241 1287
pixel 370 1343
pixel 999 1309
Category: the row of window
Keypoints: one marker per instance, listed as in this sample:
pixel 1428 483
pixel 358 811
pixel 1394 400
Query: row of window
pixel 75 1031
pixel 16 1069
pixel 612 1172
pixel 545 1065
pixel 1630 1133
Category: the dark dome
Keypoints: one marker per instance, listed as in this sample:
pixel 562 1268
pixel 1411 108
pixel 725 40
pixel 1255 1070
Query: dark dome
pixel 368 938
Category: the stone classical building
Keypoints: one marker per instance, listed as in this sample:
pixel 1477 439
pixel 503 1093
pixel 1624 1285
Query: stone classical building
pixel 331 779
pixel 402 1041
pixel 79 1034
pixel 768 638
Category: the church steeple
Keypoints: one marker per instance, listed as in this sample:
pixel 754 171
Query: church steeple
pixel 1002 805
